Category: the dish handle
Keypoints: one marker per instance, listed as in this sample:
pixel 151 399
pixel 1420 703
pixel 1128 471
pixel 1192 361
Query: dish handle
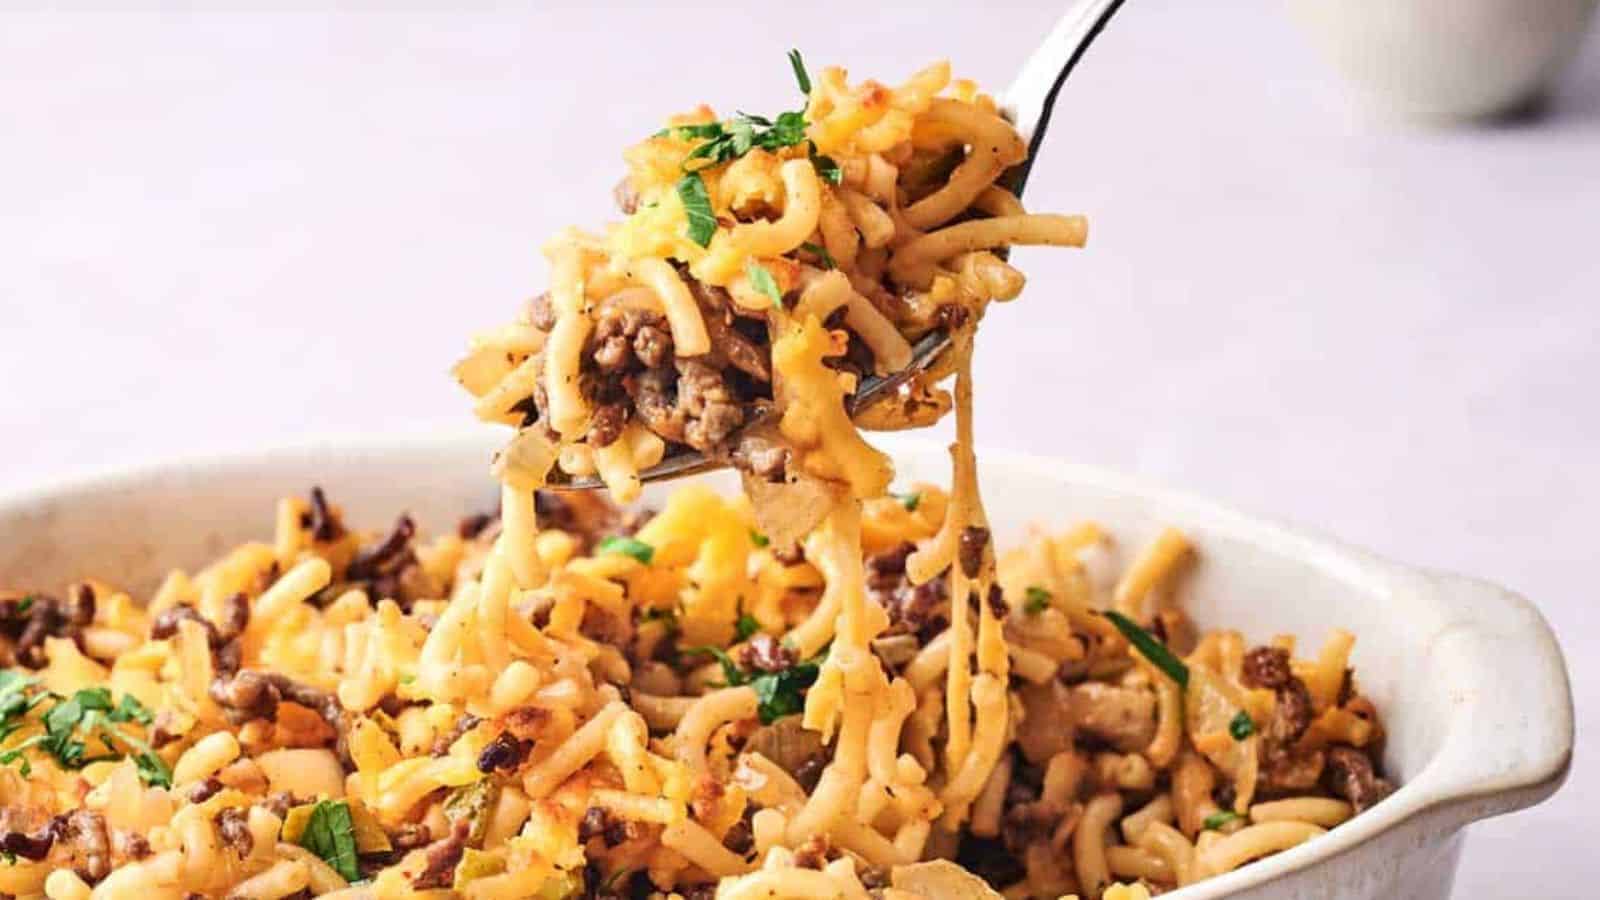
pixel 1509 745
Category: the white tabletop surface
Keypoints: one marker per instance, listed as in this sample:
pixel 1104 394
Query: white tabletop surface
pixel 238 229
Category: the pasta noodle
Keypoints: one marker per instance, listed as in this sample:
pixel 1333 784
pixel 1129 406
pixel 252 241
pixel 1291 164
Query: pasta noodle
pixel 1252 842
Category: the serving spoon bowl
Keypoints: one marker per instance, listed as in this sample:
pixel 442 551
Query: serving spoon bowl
pixel 1027 103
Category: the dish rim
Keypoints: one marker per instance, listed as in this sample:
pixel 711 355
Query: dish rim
pixel 1449 792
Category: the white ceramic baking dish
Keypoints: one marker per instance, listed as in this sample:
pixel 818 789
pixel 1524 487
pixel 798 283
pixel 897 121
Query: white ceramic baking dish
pixel 1468 676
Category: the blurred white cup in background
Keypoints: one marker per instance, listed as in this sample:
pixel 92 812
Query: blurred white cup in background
pixel 1442 61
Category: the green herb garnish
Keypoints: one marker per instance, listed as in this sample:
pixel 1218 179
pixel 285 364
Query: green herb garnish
pixel 800 76
pixel 820 252
pixel 762 281
pixel 71 722
pixel 786 131
pixel 827 168
pixel 1220 818
pixel 741 134
pixel 14 699
pixel 732 675
pixel 745 627
pixel 131 710
pixel 628 546
pixel 1038 600
pixel 722 142
pixel 62 721
pixel 15 704
pixel 910 501
pixel 1152 649
pixel 697 206
pixel 783 693
pixel 1242 726
pixel 152 768
pixel 690 132
pixel 25 604
pixel 759 539
pixel 331 835
pixel 722 145
pixel 778 694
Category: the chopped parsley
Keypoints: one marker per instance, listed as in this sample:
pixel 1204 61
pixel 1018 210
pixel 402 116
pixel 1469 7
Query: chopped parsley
pixel 15 702
pixel 762 281
pixel 732 675
pixel 778 694
pixel 71 723
pixel 722 142
pixel 697 206
pixel 827 168
pixel 131 710
pixel 1220 818
pixel 745 627
pixel 785 131
pixel 25 604
pixel 1242 726
pixel 910 501
pixel 820 252
pixel 759 539
pixel 1038 600
pixel 152 769
pixel 1152 649
pixel 14 682
pixel 628 546
pixel 690 132
pixel 330 833
pixel 801 77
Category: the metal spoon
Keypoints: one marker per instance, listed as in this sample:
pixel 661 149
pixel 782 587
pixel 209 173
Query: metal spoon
pixel 1027 103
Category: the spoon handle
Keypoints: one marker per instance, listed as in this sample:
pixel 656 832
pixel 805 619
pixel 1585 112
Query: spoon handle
pixel 1031 97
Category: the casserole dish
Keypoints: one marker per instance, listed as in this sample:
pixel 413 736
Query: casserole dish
pixel 1468 676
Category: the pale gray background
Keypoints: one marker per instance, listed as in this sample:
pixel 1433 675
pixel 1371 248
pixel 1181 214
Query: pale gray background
pixel 224 230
